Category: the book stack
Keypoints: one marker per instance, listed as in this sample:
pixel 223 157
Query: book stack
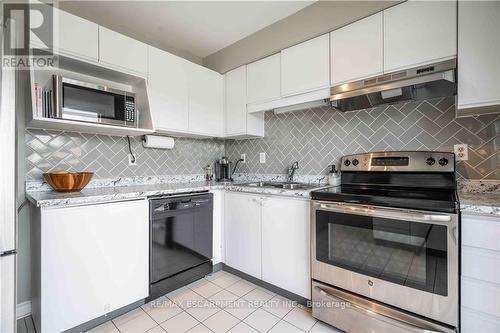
pixel 43 102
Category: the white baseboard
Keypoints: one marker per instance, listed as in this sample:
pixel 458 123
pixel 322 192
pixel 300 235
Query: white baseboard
pixel 23 309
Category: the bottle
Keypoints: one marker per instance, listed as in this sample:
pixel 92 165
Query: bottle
pixel 333 176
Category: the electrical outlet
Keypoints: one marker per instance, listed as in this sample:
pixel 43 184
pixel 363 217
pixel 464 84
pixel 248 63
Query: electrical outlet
pixel 131 160
pixel 462 152
pixel 244 158
pixel 262 157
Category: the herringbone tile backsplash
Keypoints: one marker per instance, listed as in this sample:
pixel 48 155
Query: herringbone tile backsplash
pixel 320 137
pixel 107 156
pixel 316 138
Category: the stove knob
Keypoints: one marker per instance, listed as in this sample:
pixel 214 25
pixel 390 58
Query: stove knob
pixel 355 162
pixel 347 163
pixel 443 161
pixel 430 161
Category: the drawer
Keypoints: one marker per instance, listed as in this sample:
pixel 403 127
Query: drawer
pixel 474 322
pixel 481 231
pixel 481 296
pixel 481 264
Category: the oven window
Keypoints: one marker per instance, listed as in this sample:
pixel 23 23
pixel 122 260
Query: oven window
pixel 91 103
pixel 411 254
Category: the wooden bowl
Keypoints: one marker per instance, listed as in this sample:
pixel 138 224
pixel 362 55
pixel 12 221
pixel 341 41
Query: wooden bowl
pixel 63 181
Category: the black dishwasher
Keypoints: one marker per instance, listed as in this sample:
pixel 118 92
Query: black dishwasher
pixel 180 241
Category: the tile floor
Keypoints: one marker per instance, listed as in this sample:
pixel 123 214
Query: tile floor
pixel 221 302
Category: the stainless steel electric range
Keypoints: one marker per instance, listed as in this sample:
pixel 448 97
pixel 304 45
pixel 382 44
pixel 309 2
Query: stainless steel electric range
pixel 384 244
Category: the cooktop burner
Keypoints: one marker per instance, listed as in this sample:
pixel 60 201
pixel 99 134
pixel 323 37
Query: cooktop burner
pixel 418 180
pixel 405 197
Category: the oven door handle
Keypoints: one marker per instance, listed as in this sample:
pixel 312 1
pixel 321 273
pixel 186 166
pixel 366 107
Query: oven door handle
pixel 371 313
pixel 384 213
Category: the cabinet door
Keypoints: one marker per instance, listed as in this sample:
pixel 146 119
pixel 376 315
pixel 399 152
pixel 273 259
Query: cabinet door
pixel 242 224
pixel 168 91
pixel 236 105
pixel 206 105
pixel 419 32
pixel 77 36
pixel 357 50
pixel 97 256
pixel 478 56
pixel 263 80
pixel 218 227
pixel 285 244
pixel 306 66
pixel 121 51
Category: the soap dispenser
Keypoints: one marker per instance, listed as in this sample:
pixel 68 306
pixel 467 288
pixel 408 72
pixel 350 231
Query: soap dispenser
pixel 334 176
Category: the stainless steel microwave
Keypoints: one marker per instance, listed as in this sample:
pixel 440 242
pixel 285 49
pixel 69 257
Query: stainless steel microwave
pixel 82 101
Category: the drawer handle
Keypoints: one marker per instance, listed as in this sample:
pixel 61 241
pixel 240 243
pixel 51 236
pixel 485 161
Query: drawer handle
pixel 372 313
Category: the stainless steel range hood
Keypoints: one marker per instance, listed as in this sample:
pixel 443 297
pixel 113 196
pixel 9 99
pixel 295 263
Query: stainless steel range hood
pixel 424 82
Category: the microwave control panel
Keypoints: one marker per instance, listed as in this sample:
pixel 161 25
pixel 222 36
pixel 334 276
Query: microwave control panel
pixel 129 109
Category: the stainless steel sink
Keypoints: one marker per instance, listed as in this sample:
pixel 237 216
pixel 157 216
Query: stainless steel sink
pixel 283 185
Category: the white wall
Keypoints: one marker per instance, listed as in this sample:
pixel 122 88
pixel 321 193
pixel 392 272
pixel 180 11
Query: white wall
pixel 312 21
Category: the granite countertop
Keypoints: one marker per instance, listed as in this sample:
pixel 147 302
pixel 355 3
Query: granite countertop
pixel 480 203
pixel 120 193
pixel 480 197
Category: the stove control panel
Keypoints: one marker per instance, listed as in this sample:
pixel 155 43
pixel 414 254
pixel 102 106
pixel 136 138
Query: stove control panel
pixel 403 161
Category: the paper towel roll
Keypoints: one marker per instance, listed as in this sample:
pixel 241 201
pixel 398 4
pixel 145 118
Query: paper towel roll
pixel 158 142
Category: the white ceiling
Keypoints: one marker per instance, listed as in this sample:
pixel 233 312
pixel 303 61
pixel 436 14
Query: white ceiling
pixel 199 28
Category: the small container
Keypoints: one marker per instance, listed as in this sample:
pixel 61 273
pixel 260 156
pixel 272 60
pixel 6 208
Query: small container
pixel 209 173
pixel 333 176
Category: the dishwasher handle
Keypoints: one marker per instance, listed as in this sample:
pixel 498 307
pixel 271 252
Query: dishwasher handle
pixel 159 206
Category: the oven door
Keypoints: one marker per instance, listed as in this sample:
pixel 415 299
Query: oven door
pixel 407 259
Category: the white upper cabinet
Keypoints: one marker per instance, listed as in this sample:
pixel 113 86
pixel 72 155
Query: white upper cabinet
pixel 239 123
pixel 236 105
pixel 478 57
pixel 263 79
pixel 206 101
pixel 77 36
pixel 121 51
pixel 357 50
pixel 305 67
pixel 418 33
pixel 168 91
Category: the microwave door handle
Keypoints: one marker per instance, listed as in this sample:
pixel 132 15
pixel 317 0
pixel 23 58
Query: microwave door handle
pixel 57 87
pixel 371 313
pixel 385 213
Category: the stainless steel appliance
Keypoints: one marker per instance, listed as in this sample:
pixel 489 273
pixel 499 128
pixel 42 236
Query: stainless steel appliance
pixel 181 241
pixel 8 213
pixel 423 82
pixel 223 170
pixel 83 101
pixel 384 244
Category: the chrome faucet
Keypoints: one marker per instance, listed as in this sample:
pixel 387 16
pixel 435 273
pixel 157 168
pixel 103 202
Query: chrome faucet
pixel 291 171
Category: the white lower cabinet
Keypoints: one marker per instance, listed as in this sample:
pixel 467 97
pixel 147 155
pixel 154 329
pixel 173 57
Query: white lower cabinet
pixel 480 291
pixel 268 238
pixel 88 261
pixel 243 236
pixel 218 226
pixel 285 244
